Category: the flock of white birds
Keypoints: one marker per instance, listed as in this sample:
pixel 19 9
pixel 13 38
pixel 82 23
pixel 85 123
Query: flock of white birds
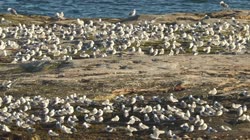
pixel 89 39
pixel 160 117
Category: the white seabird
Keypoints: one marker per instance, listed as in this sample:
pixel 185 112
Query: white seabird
pixel 155 137
pixel 86 125
pixel 235 106
pixel 6 85
pixel 172 99
pixel 185 127
pixel 131 121
pixel 5 128
pixel 223 4
pixel 156 133
pixel 212 92
pixel 169 133
pixel 156 118
pixel 132 13
pixel 115 119
pixel 146 118
pixel 60 15
pixel 203 127
pixel 225 128
pixel 82 110
pixel 126 113
pixel 52 133
pixel 211 130
pixel 132 101
pixel 109 129
pixel 12 11
pixel 245 93
pixel 143 126
pixel 244 108
pixel 131 130
pixel 66 130
pixel 240 111
pixel 80 22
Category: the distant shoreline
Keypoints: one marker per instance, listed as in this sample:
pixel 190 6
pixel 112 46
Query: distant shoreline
pixel 242 15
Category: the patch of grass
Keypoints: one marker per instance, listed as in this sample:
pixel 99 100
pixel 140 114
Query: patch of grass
pixel 39 66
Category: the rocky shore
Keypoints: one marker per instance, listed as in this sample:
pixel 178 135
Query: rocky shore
pixel 130 74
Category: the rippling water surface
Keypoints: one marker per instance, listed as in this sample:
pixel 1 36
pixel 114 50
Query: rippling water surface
pixel 115 8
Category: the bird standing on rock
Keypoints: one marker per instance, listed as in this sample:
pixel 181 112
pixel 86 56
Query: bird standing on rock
pixel 52 133
pixel 156 133
pixel 212 92
pixel 6 85
pixel 109 129
pixel 12 11
pixel 132 13
pixel 224 5
pixel 60 16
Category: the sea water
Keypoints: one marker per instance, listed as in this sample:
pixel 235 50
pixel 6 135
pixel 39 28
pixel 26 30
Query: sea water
pixel 115 8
